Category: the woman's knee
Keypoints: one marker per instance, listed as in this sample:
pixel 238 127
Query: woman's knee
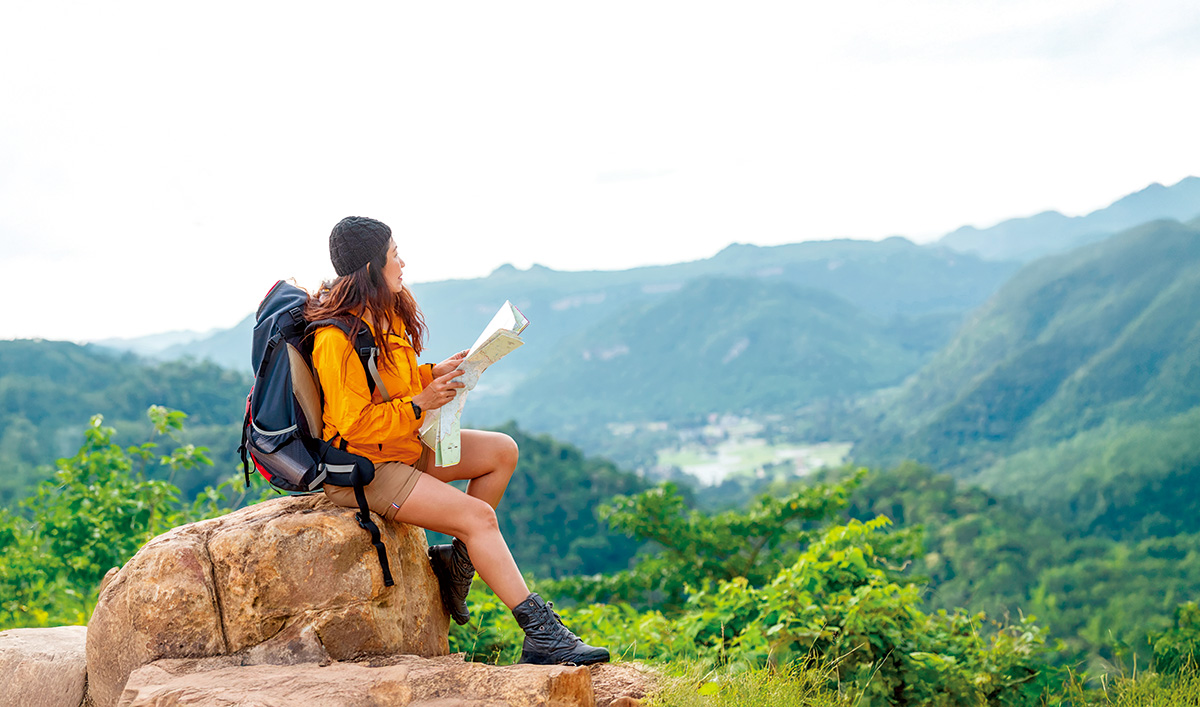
pixel 507 453
pixel 479 518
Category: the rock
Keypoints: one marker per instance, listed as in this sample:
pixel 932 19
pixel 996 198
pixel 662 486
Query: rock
pixel 622 684
pixel 43 667
pixel 289 581
pixel 397 680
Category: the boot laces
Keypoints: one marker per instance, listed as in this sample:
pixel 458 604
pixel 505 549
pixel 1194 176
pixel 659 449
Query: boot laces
pixel 550 608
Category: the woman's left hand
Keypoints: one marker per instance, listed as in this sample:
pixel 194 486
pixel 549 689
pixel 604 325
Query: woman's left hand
pixel 449 364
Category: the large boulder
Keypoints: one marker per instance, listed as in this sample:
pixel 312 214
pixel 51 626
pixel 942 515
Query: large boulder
pixel 42 667
pixel 289 581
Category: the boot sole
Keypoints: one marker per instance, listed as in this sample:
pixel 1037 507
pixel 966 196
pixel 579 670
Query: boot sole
pixel 447 600
pixel 536 659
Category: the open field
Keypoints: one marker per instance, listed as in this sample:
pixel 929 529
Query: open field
pixel 750 456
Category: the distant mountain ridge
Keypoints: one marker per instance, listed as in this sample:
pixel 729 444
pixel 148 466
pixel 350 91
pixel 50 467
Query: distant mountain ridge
pixel 884 278
pixel 225 347
pixel 153 345
pixel 1050 232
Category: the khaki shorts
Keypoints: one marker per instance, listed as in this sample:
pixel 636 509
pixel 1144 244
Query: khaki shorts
pixel 391 486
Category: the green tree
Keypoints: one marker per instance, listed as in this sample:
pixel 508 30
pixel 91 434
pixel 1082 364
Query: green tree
pixel 824 594
pixel 694 548
pixel 96 511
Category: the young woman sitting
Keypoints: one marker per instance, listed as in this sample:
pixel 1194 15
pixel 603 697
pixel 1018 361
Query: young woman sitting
pixel 382 425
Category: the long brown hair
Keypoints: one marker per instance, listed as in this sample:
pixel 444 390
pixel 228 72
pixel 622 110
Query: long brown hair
pixel 364 293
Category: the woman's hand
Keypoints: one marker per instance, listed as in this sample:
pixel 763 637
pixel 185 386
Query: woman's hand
pixel 440 391
pixel 448 365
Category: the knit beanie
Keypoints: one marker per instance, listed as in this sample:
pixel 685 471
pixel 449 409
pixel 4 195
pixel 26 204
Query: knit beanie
pixel 356 241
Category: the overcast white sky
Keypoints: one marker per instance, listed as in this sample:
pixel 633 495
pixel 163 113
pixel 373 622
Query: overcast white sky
pixel 162 164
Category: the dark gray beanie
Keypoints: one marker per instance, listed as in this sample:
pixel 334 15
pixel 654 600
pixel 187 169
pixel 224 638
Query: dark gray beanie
pixel 356 241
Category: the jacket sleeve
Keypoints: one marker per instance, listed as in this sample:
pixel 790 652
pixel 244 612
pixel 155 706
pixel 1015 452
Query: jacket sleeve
pixel 426 373
pixel 348 405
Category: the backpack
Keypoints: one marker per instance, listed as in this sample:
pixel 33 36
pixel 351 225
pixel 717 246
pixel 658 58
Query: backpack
pixel 281 432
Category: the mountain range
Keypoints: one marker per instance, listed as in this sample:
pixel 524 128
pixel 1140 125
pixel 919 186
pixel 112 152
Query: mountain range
pixel 894 277
pixel 884 278
pixel 1050 232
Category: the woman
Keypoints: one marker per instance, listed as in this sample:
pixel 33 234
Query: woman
pixel 382 425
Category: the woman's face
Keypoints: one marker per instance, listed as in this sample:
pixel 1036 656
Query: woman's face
pixel 393 269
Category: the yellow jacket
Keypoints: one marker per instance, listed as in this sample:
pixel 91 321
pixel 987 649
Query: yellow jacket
pixel 380 431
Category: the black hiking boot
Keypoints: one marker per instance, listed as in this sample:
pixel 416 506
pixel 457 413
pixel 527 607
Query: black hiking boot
pixel 547 641
pixel 454 571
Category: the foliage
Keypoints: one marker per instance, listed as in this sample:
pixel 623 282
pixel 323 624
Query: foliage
pixel 95 512
pixel 492 635
pixel 98 509
pixel 1110 481
pixel 837 601
pixel 1101 597
pixel 695 548
pixel 1177 649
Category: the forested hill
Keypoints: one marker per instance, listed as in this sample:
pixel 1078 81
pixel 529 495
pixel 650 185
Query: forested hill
pixel 1108 333
pixel 743 346
pixel 49 389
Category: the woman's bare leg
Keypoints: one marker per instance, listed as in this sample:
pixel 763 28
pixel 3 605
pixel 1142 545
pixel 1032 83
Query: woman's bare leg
pixel 440 507
pixel 488 460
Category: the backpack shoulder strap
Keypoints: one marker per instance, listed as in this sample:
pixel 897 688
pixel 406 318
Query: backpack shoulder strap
pixel 364 345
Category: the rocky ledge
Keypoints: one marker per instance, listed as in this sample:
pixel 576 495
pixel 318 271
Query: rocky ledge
pixel 281 603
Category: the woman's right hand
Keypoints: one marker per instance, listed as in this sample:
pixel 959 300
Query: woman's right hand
pixel 441 391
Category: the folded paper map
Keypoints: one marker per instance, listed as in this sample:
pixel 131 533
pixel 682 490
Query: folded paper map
pixel 441 430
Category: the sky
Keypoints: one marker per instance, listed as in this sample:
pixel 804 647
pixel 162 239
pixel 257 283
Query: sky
pixel 163 164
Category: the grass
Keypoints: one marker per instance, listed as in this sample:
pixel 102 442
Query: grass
pixel 786 686
pixel 689 684
pixel 1144 690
